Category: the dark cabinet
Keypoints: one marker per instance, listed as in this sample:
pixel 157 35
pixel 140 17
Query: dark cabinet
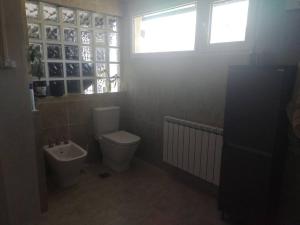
pixel 255 141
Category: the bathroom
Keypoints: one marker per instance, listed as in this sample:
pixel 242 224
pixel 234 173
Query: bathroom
pixel 180 82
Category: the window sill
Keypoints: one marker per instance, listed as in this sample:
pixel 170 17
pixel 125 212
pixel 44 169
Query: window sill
pixel 76 97
pixel 164 54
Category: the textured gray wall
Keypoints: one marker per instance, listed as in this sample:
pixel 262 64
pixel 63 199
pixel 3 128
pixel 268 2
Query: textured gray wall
pixel 17 151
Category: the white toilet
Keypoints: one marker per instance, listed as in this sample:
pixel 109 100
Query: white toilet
pixel 118 147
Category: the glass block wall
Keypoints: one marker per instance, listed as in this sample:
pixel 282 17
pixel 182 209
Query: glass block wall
pixel 80 49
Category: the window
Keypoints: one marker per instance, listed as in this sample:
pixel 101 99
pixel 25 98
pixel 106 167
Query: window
pixel 80 49
pixel 166 31
pixel 229 21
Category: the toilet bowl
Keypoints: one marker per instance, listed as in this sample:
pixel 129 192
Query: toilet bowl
pixel 65 161
pixel 118 147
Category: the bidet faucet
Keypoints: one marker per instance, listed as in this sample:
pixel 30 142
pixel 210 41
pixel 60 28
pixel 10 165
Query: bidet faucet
pixel 50 143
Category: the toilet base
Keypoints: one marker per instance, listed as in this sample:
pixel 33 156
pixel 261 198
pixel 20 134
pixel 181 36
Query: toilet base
pixel 116 166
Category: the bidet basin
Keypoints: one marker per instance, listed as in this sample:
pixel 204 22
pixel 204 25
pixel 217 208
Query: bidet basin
pixel 65 162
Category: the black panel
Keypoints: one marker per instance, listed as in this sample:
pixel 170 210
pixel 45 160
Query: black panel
pixel 255 141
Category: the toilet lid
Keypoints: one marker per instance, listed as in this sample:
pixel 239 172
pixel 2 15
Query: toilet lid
pixel 122 137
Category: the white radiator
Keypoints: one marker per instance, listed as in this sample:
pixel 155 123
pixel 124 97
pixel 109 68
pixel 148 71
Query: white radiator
pixel 193 147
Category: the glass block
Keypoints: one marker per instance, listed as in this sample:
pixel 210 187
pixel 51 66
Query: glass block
pixel 55 69
pixel 101 70
pixel 32 10
pixel 87 69
pixel 114 85
pixel 73 86
pixel 88 87
pixel 86 37
pixel 34 31
pixel 112 23
pixel 72 70
pixel 70 35
pixel 38 70
pixel 86 53
pixel 57 88
pixel 113 39
pixel 101 86
pixel 100 37
pixel 38 88
pixel 38 48
pixel 114 55
pixel 71 52
pixel 52 33
pixel 99 21
pixel 54 51
pixel 68 16
pixel 85 19
pixel 100 54
pixel 50 13
pixel 114 70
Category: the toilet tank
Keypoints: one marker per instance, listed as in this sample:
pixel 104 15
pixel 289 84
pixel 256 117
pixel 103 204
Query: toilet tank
pixel 106 120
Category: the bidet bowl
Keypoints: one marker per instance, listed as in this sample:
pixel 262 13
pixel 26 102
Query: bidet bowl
pixel 65 161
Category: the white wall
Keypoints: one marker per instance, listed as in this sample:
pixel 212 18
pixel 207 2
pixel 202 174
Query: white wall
pixel 17 152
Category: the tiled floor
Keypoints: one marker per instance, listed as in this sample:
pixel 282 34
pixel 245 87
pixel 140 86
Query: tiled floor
pixel 144 195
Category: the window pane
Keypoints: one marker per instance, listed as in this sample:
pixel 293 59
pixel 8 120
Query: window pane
pixel 57 88
pixel 112 23
pixel 101 70
pixel 87 69
pixel 88 87
pixel 100 37
pixel 37 48
pixel 113 39
pixel 229 21
pixel 54 52
pixel 68 16
pixel 52 33
pixel 34 31
pixel 114 84
pixel 85 19
pixel 99 21
pixel 101 86
pixel 73 86
pixel 114 55
pixel 70 35
pixel 86 53
pixel 114 70
pixel 71 52
pixel 50 13
pixel 38 70
pixel 32 10
pixel 100 54
pixel 86 37
pixel 55 69
pixel 72 69
pixel 166 31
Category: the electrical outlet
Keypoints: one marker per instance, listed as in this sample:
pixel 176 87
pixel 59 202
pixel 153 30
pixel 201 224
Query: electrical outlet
pixel 8 64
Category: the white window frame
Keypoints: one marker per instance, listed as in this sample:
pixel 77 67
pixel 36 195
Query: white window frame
pixel 154 54
pixel 242 46
pixel 62 43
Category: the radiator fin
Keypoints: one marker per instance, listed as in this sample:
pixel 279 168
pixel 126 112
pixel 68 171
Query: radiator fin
pixel 194 148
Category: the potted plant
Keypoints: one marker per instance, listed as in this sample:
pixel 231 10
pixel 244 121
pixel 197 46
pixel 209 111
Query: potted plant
pixel 35 58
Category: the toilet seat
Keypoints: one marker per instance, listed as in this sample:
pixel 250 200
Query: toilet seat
pixel 121 138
